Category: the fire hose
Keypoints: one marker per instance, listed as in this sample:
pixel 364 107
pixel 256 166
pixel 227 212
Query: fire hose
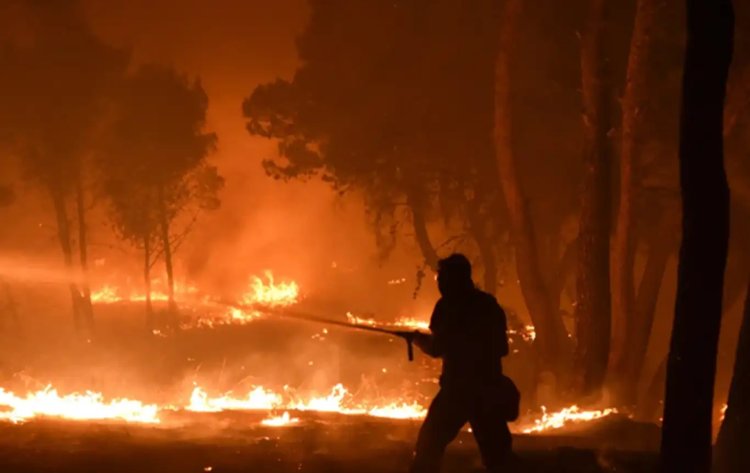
pixel 407 335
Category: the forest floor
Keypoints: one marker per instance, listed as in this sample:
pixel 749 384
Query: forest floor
pixel 233 442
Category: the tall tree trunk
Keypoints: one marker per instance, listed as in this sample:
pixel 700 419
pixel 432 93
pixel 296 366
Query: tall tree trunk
pixel 167 246
pixel 731 452
pixel 150 323
pixel 686 432
pixel 551 338
pixel 564 269
pixel 63 237
pixel 593 311
pixel 651 406
pixel 623 246
pixel 644 310
pixel 87 311
pixel 10 309
pixel 477 227
pixel 420 230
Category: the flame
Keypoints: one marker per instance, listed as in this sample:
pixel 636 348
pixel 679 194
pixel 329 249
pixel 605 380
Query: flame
pixel 109 294
pixel 563 417
pixel 105 295
pixel 356 320
pixel 400 410
pixel 257 399
pixel 86 406
pixel 330 403
pixel 280 421
pixel 339 400
pixel 92 406
pixel 260 292
pixel 413 323
pixel 270 294
pixel 527 333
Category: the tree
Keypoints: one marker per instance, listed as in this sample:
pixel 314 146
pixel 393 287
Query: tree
pixel 686 432
pixel 731 454
pixel 155 168
pixel 374 107
pixel 61 78
pixel 634 103
pixel 593 311
pixel 544 309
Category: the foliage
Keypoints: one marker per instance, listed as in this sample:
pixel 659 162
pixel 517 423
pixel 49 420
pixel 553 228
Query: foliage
pixel 60 75
pixel 391 99
pixel 156 148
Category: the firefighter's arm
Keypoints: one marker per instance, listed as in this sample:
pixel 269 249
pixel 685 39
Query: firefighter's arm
pixel 431 343
pixel 426 343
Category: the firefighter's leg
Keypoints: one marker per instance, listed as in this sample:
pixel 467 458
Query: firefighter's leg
pixel 493 439
pixel 444 420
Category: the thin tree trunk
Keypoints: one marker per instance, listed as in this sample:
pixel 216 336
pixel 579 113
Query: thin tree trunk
pixel 150 325
pixel 688 407
pixel 10 308
pixel 420 231
pixel 63 237
pixel 645 310
pixel 565 267
pixel 593 311
pixel 541 305
pixel 167 247
pixel 731 452
pixel 623 246
pixel 650 407
pixel 486 250
pixel 87 311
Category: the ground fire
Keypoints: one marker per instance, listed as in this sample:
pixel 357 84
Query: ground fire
pixel 374 236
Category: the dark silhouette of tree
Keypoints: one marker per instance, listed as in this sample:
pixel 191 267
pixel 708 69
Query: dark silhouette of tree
pixel 686 433
pixel 60 80
pixel 156 175
pixel 593 311
pixel 542 305
pixel 731 454
pixel 375 109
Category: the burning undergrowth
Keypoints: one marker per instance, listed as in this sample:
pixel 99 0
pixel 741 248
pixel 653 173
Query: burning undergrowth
pixel 232 357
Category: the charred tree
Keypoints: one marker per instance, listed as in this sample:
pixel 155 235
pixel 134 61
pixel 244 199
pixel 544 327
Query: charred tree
pixel 686 433
pixel 478 230
pixel 661 248
pixel 422 236
pixel 64 239
pixel 150 322
pixel 542 306
pixel 631 141
pixel 87 310
pixel 593 311
pixel 731 454
pixel 167 251
pixel 9 310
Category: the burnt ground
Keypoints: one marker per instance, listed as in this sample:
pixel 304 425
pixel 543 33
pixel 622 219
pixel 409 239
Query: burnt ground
pixel 234 442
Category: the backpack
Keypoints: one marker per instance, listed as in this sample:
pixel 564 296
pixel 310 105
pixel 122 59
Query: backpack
pixel 503 395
